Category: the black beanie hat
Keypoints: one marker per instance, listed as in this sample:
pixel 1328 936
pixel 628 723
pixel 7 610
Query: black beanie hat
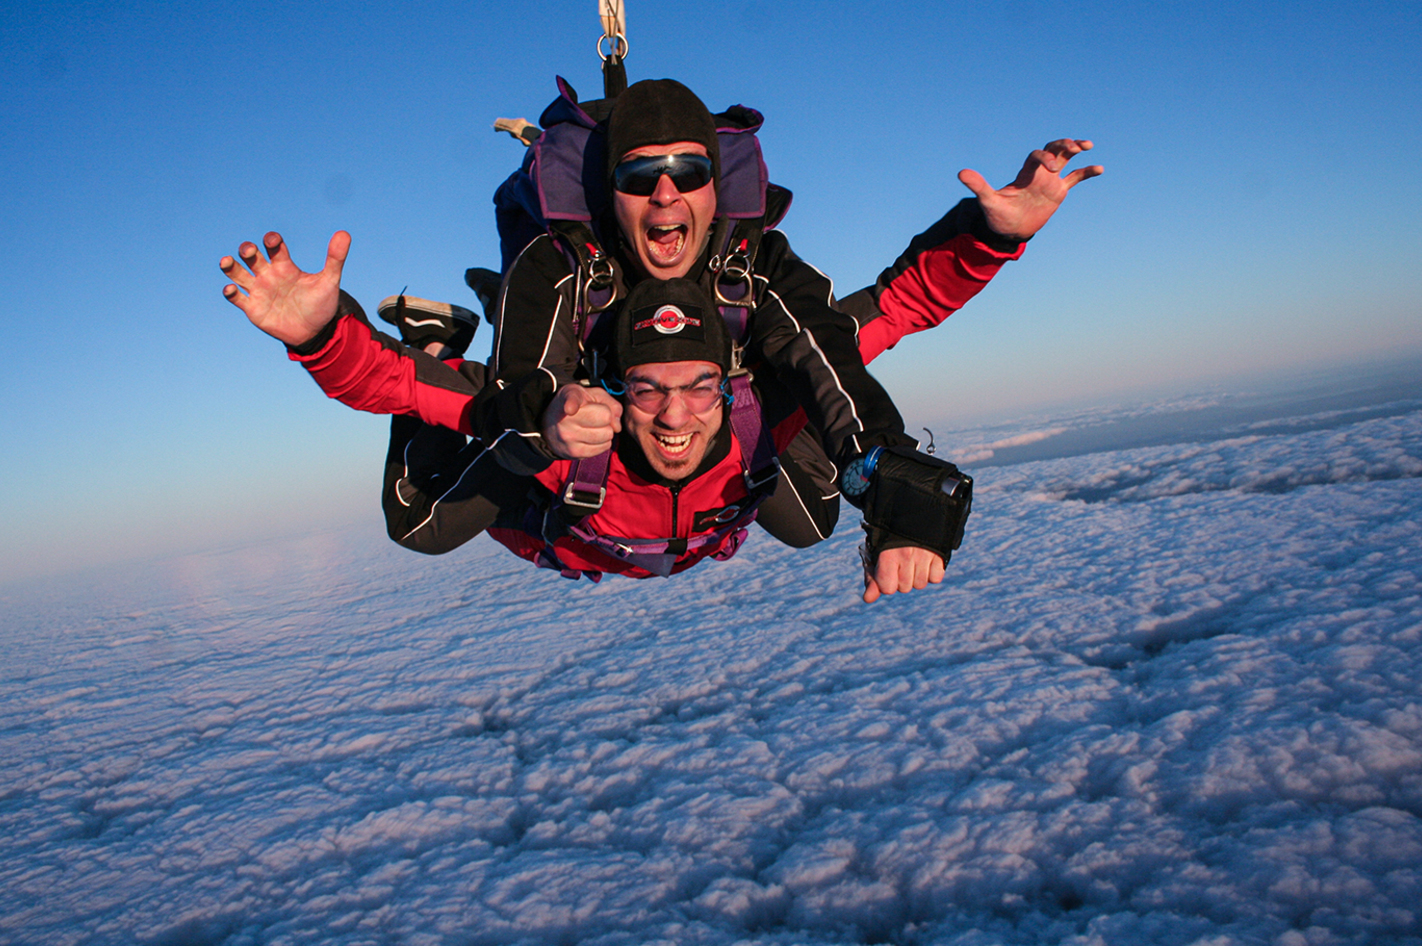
pixel 669 320
pixel 660 112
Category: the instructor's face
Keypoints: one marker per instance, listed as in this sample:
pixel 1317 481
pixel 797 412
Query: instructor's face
pixel 668 229
pixel 676 427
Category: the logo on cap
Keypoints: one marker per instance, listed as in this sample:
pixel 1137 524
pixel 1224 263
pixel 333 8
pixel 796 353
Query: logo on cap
pixel 668 320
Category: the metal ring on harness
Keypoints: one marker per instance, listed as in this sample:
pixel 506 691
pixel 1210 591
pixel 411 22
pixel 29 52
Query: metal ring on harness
pixel 737 268
pixel 618 39
pixel 600 276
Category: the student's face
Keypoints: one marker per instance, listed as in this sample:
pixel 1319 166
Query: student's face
pixel 674 435
pixel 668 229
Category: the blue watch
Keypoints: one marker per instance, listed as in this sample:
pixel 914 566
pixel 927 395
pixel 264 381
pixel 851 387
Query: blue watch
pixel 860 470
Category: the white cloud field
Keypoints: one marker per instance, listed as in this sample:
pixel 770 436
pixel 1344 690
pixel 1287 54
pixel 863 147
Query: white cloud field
pixel 1167 695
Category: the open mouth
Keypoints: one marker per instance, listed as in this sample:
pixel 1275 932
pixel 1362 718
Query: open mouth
pixel 666 242
pixel 674 446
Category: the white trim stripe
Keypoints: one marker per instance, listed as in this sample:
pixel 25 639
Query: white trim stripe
pixel 853 408
pixel 436 503
pixel 785 478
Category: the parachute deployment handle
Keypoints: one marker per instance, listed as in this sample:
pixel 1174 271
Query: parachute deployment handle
pixel 614 34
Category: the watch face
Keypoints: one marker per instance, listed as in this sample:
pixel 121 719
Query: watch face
pixel 853 481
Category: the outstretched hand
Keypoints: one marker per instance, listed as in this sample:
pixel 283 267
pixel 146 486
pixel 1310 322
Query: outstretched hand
pixel 902 570
pixel 1022 208
pixel 281 300
pixel 579 422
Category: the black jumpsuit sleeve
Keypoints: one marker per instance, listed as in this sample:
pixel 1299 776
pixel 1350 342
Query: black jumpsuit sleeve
pixel 535 352
pixel 811 349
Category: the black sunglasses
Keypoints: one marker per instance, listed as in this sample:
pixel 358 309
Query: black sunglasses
pixel 639 176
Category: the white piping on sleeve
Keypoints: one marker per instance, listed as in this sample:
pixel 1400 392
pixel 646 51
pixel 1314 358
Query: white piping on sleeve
pixel 494 356
pixel 853 408
pixel 552 326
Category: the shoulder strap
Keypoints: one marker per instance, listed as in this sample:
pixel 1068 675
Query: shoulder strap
pixel 585 486
pixel 596 288
pixel 759 463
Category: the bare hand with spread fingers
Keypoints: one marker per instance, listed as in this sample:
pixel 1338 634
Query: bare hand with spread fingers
pixel 290 305
pixel 1023 207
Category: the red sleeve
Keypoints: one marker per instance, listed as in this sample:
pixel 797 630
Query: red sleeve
pixel 361 371
pixel 939 283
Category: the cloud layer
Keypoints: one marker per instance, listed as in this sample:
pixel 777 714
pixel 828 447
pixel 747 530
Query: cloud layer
pixel 1166 696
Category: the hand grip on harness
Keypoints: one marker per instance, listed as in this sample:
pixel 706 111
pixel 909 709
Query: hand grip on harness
pixel 918 500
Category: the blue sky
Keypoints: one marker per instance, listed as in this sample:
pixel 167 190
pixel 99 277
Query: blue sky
pixel 1259 212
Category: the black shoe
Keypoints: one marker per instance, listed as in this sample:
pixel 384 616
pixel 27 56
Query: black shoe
pixel 485 283
pixel 421 322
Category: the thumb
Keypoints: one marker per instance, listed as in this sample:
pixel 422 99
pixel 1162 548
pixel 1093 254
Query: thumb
pixel 571 398
pixel 336 252
pixel 871 590
pixel 975 182
pixel 615 406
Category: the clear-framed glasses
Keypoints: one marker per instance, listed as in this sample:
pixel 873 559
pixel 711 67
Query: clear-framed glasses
pixel 699 396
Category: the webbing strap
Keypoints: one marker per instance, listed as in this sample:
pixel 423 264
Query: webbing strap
pixel 759 462
pixel 585 487
pixel 614 22
pixel 652 554
pixel 596 278
pixel 732 280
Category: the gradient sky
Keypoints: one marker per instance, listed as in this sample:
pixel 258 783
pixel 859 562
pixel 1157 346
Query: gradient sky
pixel 1259 211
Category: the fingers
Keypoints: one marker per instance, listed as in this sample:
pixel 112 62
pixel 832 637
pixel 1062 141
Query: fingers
pixel 901 570
pixel 234 295
pixel 614 406
pixel 276 248
pixel 1068 147
pixel 1081 174
pixel 1047 159
pixel 238 274
pixel 580 422
pixel 248 254
pixel 1063 150
pixel 254 264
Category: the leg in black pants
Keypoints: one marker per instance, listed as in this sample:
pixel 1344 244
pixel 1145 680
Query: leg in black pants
pixel 440 491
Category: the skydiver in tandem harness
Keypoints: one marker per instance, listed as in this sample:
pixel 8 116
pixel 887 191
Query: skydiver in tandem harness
pixel 539 420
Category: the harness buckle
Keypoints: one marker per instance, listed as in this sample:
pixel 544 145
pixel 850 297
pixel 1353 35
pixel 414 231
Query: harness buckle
pixel 736 269
pixel 582 501
pixel 738 361
pixel 755 480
